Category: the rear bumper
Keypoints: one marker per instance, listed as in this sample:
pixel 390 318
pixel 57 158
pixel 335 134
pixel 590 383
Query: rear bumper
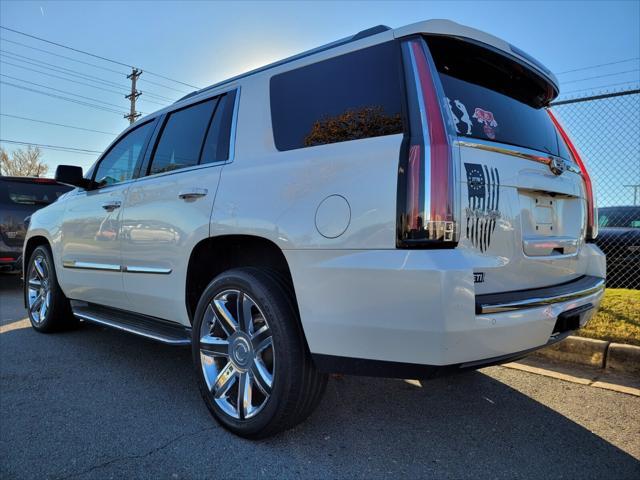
pixel 377 368
pixel 419 308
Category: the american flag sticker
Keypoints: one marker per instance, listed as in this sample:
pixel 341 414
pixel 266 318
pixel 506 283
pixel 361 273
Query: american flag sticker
pixel 483 186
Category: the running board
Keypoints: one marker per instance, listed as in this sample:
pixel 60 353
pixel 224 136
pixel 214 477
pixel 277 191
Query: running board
pixel 149 327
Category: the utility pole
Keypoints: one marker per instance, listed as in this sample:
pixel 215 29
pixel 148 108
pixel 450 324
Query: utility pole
pixel 636 190
pixel 133 115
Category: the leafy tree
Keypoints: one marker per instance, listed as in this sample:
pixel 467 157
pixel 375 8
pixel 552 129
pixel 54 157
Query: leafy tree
pixel 23 163
pixel 354 124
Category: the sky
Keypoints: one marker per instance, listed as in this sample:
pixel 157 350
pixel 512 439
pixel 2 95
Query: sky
pixel 200 43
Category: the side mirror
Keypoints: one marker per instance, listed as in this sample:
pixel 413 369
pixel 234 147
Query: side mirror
pixel 72 175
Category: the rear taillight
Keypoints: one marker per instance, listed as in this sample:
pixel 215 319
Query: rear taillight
pixel 592 212
pixel 426 184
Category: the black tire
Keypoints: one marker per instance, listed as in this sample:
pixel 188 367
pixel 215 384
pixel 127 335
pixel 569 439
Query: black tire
pixel 58 315
pixel 297 386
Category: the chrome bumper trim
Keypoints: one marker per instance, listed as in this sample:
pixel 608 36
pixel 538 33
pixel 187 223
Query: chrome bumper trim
pixel 536 301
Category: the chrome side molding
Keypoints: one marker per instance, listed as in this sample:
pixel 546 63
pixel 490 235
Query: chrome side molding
pixel 91 266
pixel 141 269
pixel 108 267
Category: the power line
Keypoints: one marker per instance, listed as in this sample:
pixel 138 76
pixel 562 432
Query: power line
pixel 598 65
pixel 72 100
pixel 59 91
pixel 67 71
pixel 53 147
pixel 95 56
pixel 74 81
pixel 121 92
pixel 601 86
pixel 57 68
pixel 602 76
pixel 56 124
pixel 62 56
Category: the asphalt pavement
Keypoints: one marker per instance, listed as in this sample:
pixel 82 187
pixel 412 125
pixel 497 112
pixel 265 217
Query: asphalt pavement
pixel 97 403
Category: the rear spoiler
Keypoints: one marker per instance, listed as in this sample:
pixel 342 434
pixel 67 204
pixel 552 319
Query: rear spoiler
pixel 453 29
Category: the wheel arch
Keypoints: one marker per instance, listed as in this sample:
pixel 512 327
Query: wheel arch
pixel 214 255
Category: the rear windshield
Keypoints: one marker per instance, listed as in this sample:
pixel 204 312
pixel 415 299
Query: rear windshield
pixel 493 97
pixel 30 193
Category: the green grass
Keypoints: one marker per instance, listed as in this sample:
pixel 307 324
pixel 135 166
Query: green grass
pixel 618 319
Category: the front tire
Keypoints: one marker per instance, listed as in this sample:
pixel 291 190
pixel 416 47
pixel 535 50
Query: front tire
pixel 253 366
pixel 47 306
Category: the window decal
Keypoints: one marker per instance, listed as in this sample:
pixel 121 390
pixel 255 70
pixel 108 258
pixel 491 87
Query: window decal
pixel 465 115
pixel 483 187
pixel 485 117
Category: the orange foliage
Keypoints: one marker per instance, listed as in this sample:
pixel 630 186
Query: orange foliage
pixel 352 125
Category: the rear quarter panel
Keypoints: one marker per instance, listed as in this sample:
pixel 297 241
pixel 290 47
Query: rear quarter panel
pixel 276 195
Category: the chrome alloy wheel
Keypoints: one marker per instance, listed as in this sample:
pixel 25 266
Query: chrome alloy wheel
pixel 39 289
pixel 237 355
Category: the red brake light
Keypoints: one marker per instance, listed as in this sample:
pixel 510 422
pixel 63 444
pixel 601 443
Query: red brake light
pixel 592 223
pixel 426 180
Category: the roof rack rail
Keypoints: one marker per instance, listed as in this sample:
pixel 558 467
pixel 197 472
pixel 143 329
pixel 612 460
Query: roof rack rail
pixel 358 36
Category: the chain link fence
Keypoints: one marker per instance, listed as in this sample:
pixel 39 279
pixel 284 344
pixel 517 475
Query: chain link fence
pixel 606 130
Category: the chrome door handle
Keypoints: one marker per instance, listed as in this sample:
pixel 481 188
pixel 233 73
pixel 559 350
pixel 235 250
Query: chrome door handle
pixel 192 193
pixel 111 206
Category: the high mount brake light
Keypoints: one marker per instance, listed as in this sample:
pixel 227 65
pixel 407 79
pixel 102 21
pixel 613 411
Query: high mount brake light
pixel 592 213
pixel 426 186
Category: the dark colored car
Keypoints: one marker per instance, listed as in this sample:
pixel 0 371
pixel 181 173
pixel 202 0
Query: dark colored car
pixel 19 198
pixel 619 239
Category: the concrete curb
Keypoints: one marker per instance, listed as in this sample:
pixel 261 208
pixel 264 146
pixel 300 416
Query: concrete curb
pixel 594 353
pixel 583 351
pixel 623 358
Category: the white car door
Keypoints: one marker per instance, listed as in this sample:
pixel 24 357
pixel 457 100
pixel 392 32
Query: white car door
pixel 167 210
pixel 91 226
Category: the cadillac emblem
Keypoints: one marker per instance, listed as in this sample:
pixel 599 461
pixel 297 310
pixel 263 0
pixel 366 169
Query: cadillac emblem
pixel 557 165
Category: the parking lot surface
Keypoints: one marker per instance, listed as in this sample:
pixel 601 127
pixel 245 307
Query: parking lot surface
pixel 96 403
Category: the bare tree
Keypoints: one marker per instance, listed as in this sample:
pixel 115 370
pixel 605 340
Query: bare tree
pixel 23 163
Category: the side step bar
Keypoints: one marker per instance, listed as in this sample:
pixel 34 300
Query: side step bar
pixel 149 327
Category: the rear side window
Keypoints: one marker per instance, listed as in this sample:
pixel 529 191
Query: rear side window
pixel 195 135
pixel 182 137
pixel 350 97
pixel 216 145
pixel 493 97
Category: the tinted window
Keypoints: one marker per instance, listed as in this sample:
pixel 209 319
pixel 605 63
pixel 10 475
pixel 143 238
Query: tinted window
pixel 216 146
pixel 619 217
pixel 182 138
pixel 119 163
pixel 494 98
pixel 28 193
pixel 353 96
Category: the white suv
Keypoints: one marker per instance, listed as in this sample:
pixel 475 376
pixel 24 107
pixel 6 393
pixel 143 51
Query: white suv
pixel 396 203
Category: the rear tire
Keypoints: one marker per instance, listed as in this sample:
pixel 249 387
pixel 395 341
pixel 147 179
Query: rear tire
pixel 254 371
pixel 48 308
